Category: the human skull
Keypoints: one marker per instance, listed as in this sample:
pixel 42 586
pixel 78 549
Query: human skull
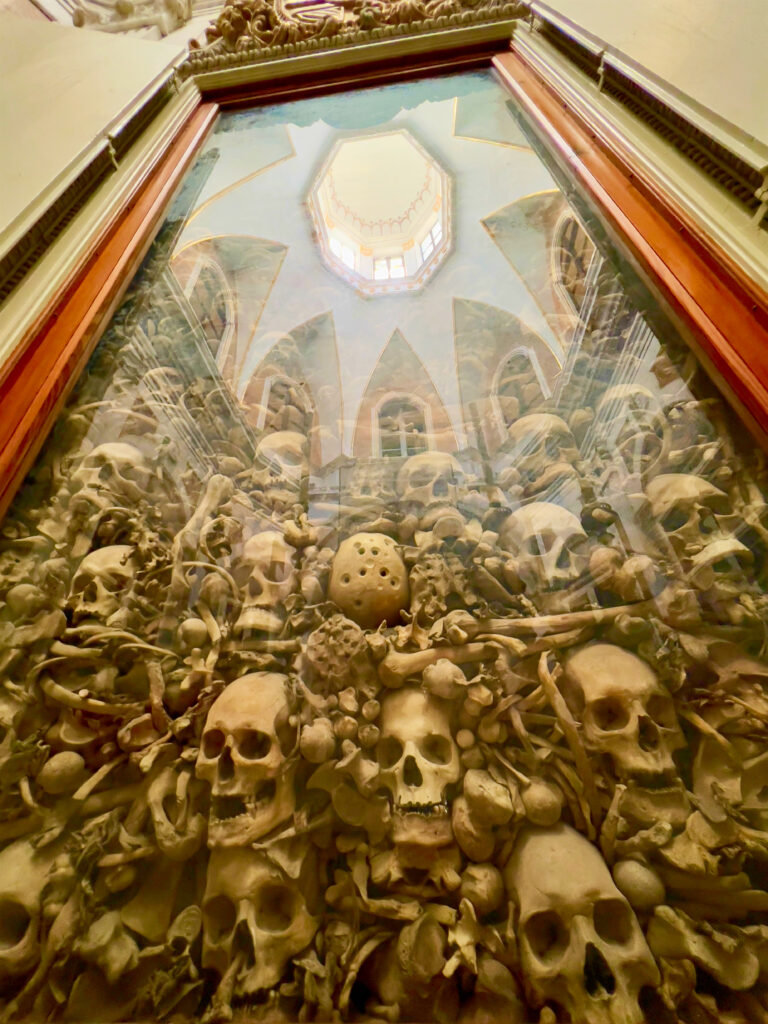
pixel 625 712
pixel 112 474
pixel 542 449
pixel 698 520
pixel 178 823
pixel 429 479
pixel 631 419
pixel 369 581
pixel 284 451
pixel 419 762
pixel 266 575
pixel 243 756
pixel 252 910
pixel 579 940
pixel 550 549
pixel 23 871
pixel 100 582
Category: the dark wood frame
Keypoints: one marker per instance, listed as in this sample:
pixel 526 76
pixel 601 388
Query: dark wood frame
pixel 725 312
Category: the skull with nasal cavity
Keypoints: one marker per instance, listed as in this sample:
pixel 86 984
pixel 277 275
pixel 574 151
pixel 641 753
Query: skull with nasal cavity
pixel 579 941
pixel 253 911
pixel 627 715
pixel 248 735
pixel 419 763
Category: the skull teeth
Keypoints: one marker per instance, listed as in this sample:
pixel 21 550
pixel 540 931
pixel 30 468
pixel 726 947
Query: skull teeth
pixel 230 808
pixel 439 809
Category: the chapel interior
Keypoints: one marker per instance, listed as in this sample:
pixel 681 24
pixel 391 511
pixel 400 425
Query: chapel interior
pixel 383 511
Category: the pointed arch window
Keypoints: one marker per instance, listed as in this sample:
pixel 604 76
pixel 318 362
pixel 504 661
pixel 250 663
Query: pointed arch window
pixel 402 428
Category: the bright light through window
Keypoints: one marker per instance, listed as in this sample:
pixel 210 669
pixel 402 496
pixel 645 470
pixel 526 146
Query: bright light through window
pixel 432 240
pixel 389 268
pixel 343 252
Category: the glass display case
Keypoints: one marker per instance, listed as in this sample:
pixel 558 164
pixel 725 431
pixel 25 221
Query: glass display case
pixel 384 621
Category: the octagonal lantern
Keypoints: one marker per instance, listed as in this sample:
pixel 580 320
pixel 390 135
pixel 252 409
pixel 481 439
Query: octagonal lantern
pixel 381 210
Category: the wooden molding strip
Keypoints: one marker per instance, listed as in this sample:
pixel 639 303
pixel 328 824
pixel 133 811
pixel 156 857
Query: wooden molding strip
pixel 35 390
pixel 726 312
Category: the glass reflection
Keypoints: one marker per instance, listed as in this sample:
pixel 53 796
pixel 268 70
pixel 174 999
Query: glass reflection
pixel 385 653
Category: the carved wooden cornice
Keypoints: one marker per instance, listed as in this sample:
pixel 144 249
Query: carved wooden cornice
pixel 256 31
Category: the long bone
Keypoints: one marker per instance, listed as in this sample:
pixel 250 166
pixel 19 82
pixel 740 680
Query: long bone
pixel 396 666
pixel 540 625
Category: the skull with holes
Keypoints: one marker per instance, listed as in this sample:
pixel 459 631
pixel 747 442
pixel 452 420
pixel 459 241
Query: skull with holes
pixel 23 871
pixel 112 474
pixel 550 550
pixel 542 449
pixel 430 480
pixel 369 581
pixel 698 519
pixel 248 735
pixel 101 582
pixel 419 766
pixel 254 915
pixel 627 715
pixel 630 418
pixel 580 943
pixel 266 574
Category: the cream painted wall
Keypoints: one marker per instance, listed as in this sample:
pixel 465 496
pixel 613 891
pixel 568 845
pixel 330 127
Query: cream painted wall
pixel 710 52
pixel 61 91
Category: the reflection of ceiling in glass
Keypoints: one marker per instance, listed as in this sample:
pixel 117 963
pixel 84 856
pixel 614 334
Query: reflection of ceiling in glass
pixel 381 209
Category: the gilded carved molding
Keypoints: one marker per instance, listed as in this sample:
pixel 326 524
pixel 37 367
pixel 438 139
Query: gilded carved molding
pixel 251 31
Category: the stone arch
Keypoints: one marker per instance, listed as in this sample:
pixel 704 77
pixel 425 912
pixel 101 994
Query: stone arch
pixel 397 363
pixel 486 339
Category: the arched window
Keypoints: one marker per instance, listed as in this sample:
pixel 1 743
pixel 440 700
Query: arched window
pixel 402 428
pixel 285 405
pixel 573 254
pixel 519 386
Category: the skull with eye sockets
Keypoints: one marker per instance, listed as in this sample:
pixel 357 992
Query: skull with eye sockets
pixel 580 943
pixel 627 715
pixel 550 548
pixel 243 756
pixel 700 524
pixel 254 912
pixel 419 763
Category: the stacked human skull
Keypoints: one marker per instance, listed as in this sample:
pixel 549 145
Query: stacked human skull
pixel 266 573
pixel 274 750
pixel 627 715
pixel 550 548
pixel 581 946
pixel 244 757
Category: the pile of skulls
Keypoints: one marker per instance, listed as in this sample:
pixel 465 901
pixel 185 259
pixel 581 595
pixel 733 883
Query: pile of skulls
pixel 479 752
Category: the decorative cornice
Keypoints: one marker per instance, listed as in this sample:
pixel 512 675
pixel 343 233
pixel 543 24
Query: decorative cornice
pixel 257 31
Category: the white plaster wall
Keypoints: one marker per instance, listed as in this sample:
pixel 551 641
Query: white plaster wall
pixel 61 90
pixel 713 53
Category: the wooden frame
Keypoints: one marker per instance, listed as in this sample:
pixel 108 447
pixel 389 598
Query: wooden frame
pixel 727 315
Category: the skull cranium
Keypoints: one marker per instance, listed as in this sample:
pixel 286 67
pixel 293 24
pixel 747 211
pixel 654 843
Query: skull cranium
pixel 419 762
pixel 243 756
pixel 580 943
pixel 251 910
pixel 550 549
pixel 23 871
pixel 267 575
pixel 429 479
pixel 626 713
pixel 114 473
pixel 632 420
pixel 542 449
pixel 699 522
pixel 102 578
